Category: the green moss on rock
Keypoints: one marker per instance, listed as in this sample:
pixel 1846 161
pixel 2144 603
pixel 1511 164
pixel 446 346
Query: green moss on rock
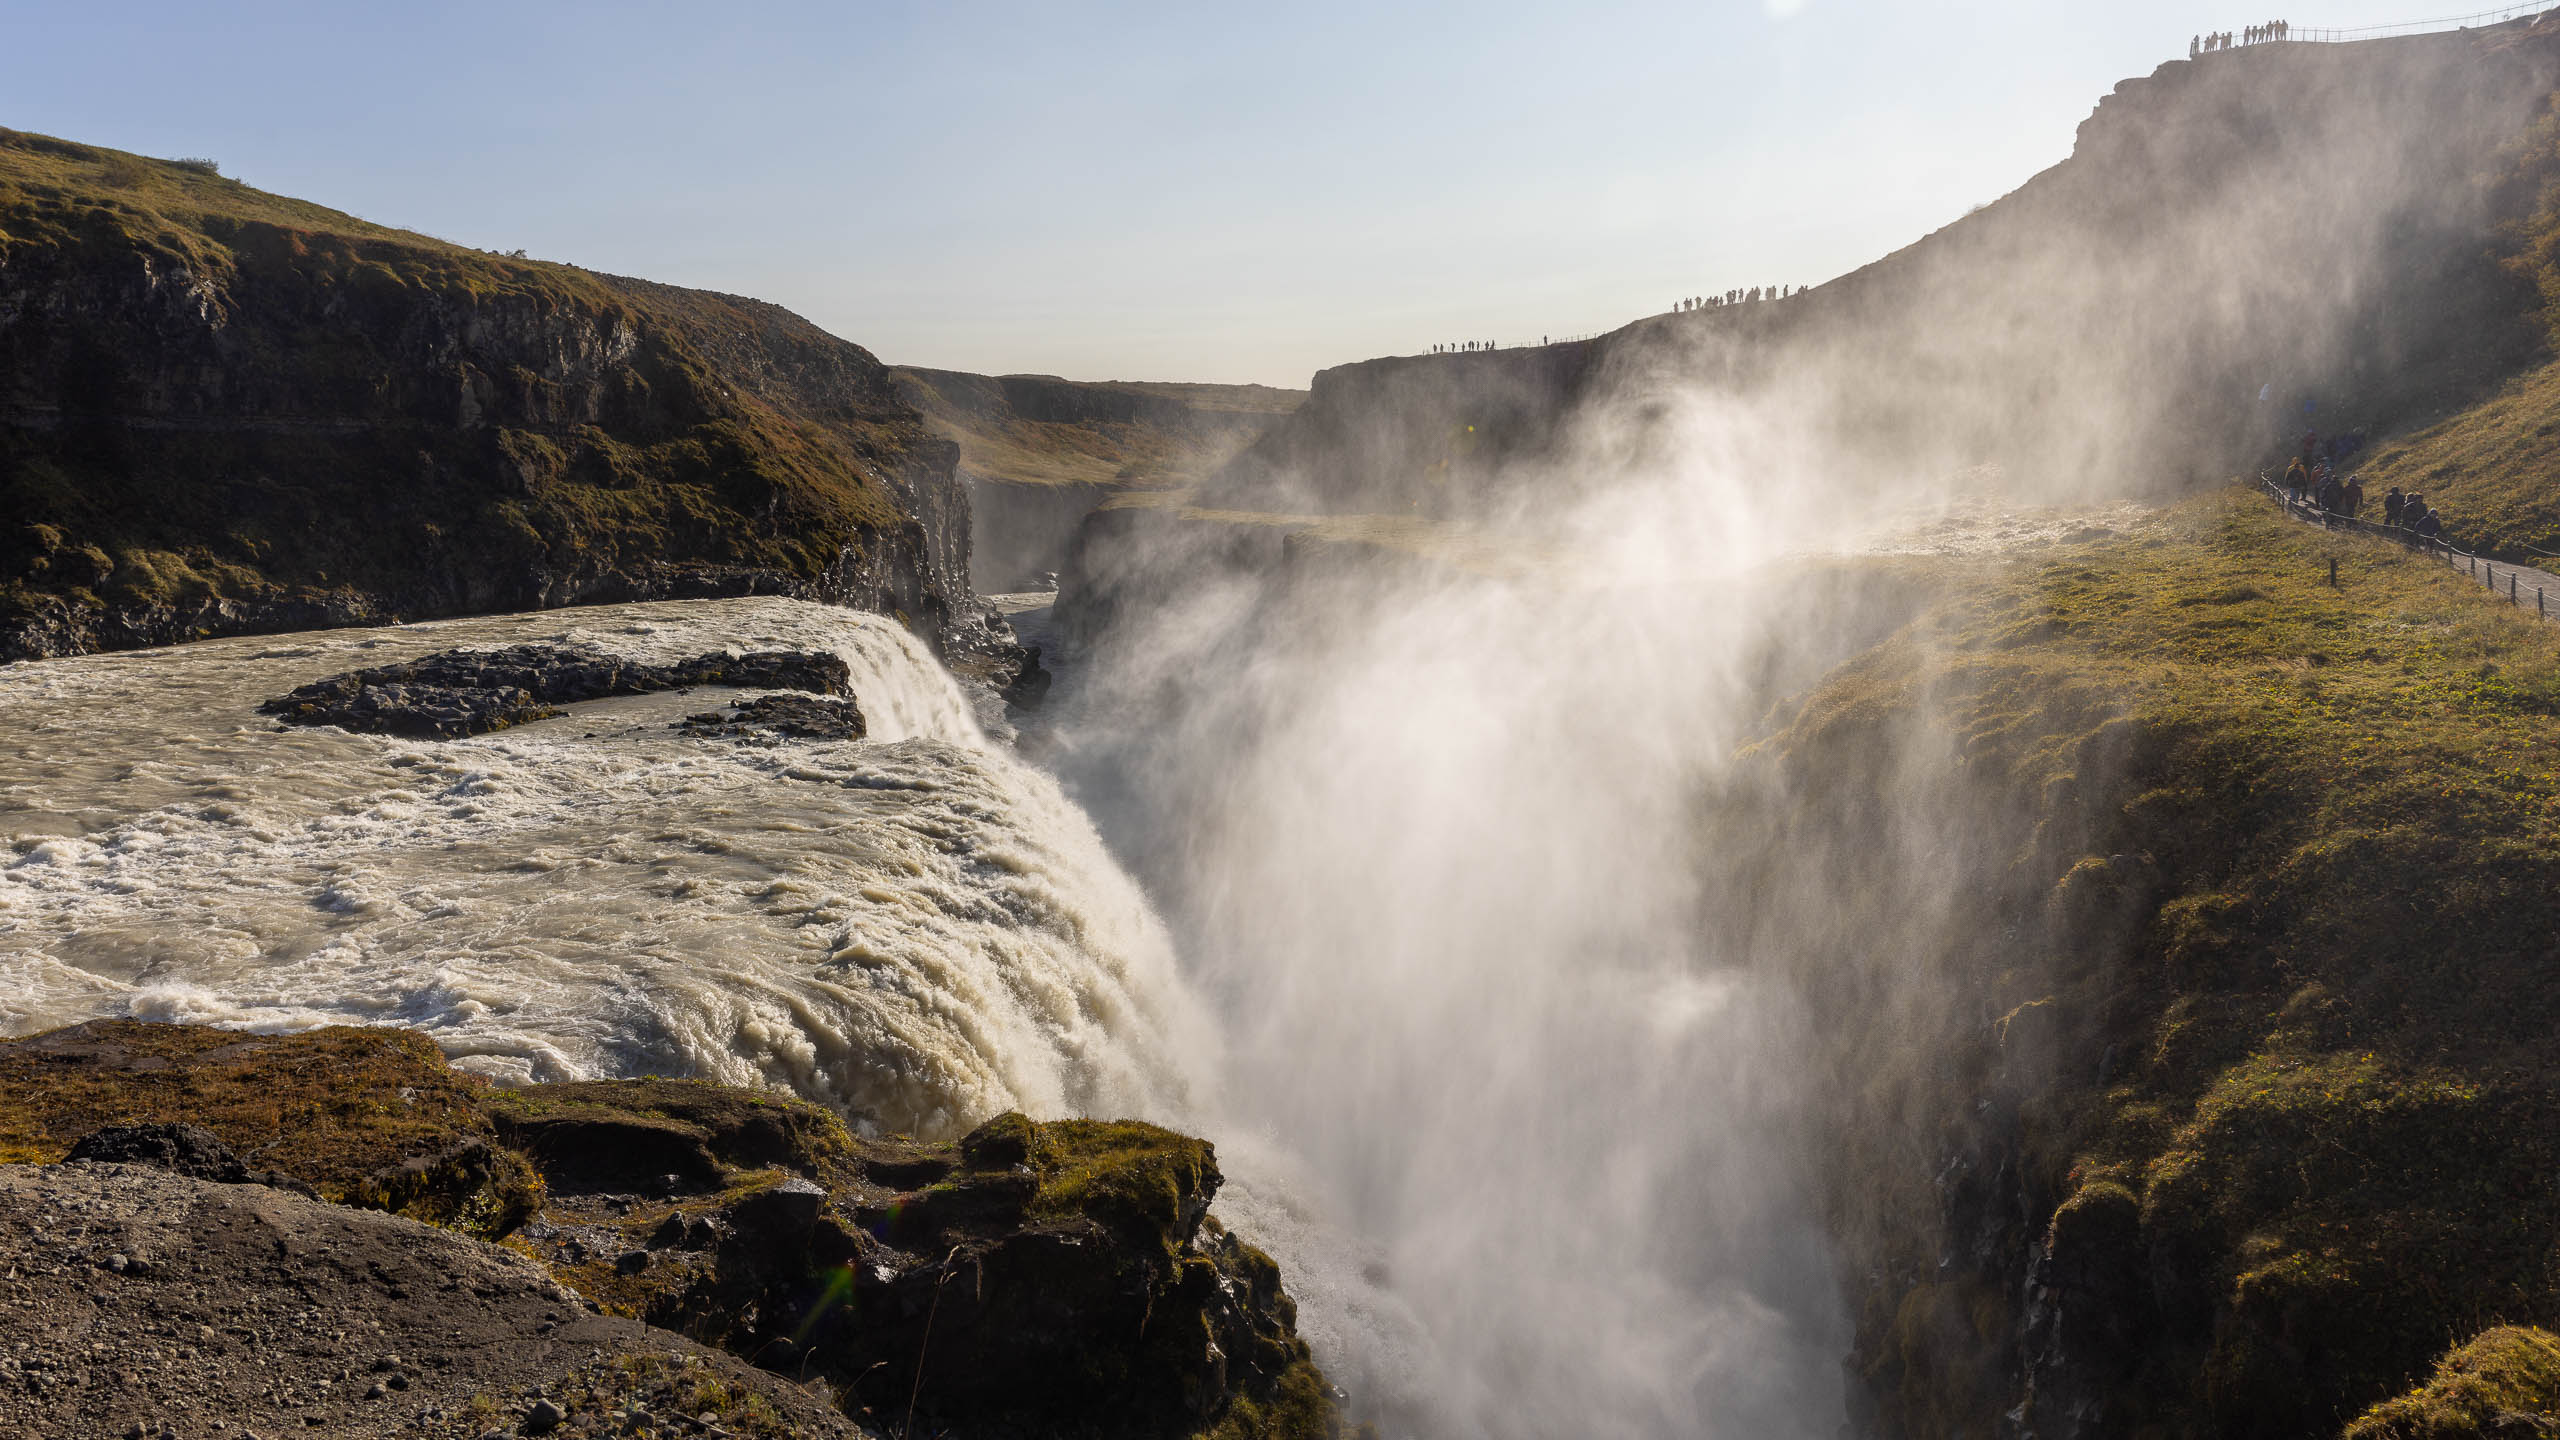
pixel 2504 1382
pixel 2262 874
pixel 1131 1177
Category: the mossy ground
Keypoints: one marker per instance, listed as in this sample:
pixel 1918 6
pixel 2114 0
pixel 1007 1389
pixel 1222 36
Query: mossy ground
pixel 1129 1176
pixel 365 1116
pixel 2493 469
pixel 2278 870
pixel 2503 1382
pixel 1100 1298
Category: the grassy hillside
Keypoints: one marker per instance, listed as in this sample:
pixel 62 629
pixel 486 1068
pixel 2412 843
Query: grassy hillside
pixel 2493 469
pixel 59 195
pixel 222 409
pixel 2252 991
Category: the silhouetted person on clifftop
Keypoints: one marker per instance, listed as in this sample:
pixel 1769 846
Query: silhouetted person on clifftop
pixel 2392 504
pixel 2351 497
pixel 2297 479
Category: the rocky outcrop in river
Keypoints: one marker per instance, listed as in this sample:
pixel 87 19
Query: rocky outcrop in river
pixel 472 692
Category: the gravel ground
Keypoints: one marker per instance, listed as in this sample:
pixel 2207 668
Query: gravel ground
pixel 135 1303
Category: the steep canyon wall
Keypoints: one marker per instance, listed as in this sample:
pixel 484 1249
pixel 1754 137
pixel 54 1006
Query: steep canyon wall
pixel 223 411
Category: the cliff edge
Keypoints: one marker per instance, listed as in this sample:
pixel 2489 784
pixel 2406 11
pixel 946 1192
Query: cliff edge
pixel 224 411
pixel 333 1233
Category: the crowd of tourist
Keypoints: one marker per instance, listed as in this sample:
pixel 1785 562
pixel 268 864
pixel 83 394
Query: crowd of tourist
pixel 1752 296
pixel 2247 35
pixel 2313 477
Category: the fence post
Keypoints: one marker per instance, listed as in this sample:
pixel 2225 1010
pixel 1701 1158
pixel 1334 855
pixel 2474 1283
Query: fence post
pixel 2511 587
pixel 2333 572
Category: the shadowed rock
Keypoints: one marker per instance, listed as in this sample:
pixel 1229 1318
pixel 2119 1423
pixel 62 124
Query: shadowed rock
pixel 472 692
pixel 189 1150
pixel 795 716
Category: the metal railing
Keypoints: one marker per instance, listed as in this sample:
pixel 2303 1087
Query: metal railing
pixel 2543 595
pixel 2350 34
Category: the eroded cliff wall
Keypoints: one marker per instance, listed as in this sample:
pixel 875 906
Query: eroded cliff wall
pixel 223 411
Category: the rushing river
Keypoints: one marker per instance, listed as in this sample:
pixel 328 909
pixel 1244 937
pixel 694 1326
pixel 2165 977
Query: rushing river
pixel 917 927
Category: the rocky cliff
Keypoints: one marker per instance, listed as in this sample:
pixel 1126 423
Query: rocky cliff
pixel 2187 979
pixel 224 411
pixel 2232 239
pixel 599 1258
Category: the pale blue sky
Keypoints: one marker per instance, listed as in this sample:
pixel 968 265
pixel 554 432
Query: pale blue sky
pixel 1136 191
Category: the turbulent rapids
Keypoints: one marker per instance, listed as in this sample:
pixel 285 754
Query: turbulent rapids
pixel 915 928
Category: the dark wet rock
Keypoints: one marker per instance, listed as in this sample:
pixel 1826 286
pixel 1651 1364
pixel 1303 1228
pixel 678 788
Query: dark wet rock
pixel 1068 1270
pixel 1030 684
pixel 472 692
pixel 189 1150
pixel 796 717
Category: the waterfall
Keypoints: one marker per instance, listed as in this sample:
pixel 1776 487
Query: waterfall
pixel 917 928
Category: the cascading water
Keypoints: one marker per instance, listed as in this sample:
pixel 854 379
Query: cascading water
pixel 1532 1127
pixel 917 928
pixel 1528 1130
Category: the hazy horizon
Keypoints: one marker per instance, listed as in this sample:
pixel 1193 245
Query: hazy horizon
pixel 1135 192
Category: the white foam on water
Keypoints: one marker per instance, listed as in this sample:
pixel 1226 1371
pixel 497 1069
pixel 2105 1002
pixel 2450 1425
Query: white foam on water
pixel 917 927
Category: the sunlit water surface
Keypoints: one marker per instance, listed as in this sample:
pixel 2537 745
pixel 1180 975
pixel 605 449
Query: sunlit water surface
pixel 916 927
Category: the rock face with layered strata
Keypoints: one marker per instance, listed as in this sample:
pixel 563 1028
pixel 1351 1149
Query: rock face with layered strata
pixel 225 412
